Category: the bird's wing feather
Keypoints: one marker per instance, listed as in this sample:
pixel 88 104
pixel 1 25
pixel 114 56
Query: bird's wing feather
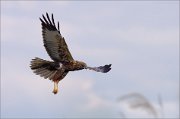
pixel 103 69
pixel 54 43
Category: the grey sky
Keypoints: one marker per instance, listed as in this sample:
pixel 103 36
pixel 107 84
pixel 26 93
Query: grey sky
pixel 140 39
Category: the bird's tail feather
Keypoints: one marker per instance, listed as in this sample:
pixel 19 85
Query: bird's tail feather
pixel 43 68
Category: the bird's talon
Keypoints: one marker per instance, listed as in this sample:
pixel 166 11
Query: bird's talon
pixel 55 91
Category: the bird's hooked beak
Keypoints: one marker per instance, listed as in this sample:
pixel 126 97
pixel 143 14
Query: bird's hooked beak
pixel 55 91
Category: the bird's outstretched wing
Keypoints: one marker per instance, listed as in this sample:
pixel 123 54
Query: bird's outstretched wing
pixel 103 69
pixel 54 43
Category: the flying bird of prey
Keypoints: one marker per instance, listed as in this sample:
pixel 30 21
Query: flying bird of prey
pixel 58 51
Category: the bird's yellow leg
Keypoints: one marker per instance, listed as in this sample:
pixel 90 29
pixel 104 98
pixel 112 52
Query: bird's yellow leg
pixel 55 91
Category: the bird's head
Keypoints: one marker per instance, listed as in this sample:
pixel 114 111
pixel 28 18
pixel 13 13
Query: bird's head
pixel 80 65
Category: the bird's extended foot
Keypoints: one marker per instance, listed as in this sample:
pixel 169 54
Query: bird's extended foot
pixel 55 91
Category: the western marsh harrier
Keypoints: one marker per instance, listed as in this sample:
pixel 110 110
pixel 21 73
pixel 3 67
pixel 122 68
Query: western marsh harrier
pixel 58 51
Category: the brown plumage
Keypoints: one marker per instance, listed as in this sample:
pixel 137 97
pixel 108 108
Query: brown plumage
pixel 58 51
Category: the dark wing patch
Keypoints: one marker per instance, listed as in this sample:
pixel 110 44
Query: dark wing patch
pixel 54 43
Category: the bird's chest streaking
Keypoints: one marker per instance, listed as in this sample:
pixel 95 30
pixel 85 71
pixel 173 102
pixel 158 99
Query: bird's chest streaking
pixel 64 68
pixel 60 73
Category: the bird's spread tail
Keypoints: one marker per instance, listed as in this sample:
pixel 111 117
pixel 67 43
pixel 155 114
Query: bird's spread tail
pixel 103 69
pixel 43 68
